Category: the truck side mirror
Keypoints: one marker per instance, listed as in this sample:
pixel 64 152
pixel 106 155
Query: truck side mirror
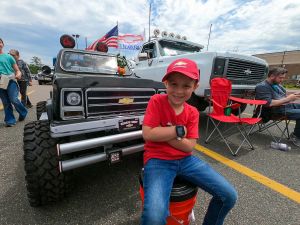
pixel 46 70
pixel 142 56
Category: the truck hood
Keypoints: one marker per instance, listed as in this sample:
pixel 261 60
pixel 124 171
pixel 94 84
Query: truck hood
pixel 212 55
pixel 79 81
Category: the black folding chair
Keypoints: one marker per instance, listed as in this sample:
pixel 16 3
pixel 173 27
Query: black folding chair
pixel 272 118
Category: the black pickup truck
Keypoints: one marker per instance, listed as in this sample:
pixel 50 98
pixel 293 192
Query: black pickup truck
pixel 94 113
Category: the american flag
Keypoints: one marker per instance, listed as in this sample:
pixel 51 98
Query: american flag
pixel 111 39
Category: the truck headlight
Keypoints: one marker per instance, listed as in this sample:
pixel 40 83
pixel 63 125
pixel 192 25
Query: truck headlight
pixel 219 66
pixel 73 99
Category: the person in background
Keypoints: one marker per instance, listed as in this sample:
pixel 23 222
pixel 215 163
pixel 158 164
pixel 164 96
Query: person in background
pixel 274 93
pixel 25 78
pixel 170 130
pixel 9 93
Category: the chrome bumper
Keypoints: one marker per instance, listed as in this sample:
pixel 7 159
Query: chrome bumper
pixel 88 126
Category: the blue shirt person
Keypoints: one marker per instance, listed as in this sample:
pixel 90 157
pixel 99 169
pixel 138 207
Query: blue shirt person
pixel 9 90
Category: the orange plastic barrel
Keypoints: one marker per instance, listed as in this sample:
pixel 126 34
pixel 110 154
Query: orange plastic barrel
pixel 182 201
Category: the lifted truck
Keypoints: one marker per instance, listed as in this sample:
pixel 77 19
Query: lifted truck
pixel 94 114
pixel 243 71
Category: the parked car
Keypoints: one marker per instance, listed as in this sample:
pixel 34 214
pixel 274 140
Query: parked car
pixel 34 76
pixel 94 114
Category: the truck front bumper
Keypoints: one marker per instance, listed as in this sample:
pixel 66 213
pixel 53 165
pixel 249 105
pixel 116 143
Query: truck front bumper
pixel 110 155
pixel 65 129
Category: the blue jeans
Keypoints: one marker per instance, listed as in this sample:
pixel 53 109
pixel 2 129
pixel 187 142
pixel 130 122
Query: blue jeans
pixel 293 113
pixel 9 97
pixel 158 181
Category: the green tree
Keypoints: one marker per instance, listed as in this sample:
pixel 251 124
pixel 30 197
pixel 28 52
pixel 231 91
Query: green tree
pixel 35 65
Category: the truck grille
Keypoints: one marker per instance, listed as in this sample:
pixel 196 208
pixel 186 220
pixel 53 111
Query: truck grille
pixel 112 102
pixel 244 72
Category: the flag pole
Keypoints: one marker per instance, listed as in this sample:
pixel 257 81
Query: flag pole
pixel 149 20
pixel 118 38
pixel 208 37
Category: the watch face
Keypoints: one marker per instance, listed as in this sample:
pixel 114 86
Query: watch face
pixel 180 131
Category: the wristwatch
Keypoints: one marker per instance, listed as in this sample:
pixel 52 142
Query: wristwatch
pixel 180 132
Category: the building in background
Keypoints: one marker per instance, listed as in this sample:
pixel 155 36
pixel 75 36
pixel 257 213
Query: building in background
pixel 287 59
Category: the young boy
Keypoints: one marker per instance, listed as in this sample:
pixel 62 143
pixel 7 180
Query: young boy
pixel 170 130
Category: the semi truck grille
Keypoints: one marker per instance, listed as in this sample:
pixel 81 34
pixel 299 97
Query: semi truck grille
pixel 244 72
pixel 112 102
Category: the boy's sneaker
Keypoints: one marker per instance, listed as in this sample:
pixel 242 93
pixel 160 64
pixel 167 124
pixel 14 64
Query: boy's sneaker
pixel 295 139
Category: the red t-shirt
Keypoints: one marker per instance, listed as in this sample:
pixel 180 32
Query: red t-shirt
pixel 160 113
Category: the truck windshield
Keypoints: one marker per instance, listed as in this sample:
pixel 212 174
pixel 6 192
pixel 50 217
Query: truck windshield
pixel 171 48
pixel 82 62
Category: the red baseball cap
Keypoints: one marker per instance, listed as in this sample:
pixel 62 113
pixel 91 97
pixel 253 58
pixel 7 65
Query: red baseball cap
pixel 184 66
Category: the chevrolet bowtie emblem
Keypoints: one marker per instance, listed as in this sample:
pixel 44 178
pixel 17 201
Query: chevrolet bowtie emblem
pixel 247 71
pixel 126 101
pixel 180 63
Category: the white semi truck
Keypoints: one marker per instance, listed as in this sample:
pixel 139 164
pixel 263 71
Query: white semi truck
pixel 244 71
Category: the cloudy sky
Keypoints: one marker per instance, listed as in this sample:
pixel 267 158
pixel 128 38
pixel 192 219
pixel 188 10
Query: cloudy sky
pixel 246 27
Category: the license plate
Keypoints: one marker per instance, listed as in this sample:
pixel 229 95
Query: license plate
pixel 114 157
pixel 129 124
pixel 47 78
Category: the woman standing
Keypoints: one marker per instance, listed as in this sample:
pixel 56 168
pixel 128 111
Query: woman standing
pixel 25 78
pixel 9 72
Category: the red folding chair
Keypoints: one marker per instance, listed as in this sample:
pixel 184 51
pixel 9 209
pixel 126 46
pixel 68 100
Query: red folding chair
pixel 223 104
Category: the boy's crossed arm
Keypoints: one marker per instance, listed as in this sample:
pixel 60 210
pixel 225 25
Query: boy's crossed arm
pixel 168 134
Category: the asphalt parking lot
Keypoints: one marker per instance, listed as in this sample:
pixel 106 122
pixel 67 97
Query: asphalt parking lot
pixel 267 181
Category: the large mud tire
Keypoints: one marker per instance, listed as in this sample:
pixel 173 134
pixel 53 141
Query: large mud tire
pixel 40 108
pixel 44 182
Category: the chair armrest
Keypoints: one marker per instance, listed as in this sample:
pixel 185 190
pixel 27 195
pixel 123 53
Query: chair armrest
pixel 235 106
pixel 214 102
pixel 248 101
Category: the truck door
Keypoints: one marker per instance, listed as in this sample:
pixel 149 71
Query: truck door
pixel 148 68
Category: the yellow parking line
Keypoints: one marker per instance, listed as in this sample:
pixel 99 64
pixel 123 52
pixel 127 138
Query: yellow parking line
pixel 28 93
pixel 247 114
pixel 287 192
